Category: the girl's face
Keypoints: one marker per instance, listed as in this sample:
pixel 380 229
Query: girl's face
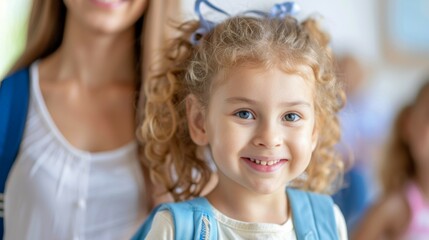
pixel 418 130
pixel 105 16
pixel 260 126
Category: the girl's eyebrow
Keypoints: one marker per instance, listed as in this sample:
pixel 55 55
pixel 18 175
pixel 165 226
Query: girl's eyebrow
pixel 240 100
pixel 235 100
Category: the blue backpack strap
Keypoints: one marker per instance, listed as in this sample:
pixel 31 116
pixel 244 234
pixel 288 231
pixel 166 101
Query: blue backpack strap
pixel 193 220
pixel 312 215
pixel 14 98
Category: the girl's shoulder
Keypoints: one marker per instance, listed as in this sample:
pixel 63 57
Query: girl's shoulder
pixel 162 227
pixel 388 216
pixel 392 205
pixel 187 216
pixel 395 203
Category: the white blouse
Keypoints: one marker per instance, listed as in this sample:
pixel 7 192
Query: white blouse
pixel 56 191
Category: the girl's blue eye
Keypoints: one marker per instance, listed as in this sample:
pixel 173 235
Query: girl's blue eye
pixel 245 115
pixel 292 117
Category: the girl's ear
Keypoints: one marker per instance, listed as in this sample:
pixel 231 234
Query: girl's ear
pixel 196 117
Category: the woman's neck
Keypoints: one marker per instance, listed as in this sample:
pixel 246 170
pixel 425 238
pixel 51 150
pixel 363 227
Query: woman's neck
pixel 94 58
pixel 244 205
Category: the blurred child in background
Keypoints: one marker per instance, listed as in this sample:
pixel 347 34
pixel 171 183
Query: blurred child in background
pixel 402 211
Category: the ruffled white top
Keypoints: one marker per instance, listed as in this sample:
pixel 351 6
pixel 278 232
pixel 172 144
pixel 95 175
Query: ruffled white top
pixel 56 191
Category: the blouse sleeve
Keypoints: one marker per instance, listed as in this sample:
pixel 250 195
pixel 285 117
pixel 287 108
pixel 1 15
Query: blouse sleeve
pixel 162 227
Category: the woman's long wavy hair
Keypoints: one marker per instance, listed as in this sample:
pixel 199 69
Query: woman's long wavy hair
pixel 397 167
pixel 171 155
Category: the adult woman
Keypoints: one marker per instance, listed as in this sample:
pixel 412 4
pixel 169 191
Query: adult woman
pixel 77 174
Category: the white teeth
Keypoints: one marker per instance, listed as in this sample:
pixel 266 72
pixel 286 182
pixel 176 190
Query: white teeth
pixel 109 1
pixel 264 163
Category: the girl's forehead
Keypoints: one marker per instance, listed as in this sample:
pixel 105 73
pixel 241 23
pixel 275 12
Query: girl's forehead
pixel 224 74
pixel 259 81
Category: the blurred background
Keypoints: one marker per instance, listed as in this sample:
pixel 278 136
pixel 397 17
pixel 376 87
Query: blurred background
pixel 13 27
pixel 382 52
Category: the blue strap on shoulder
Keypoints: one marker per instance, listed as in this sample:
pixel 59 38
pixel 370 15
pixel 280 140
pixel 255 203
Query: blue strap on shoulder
pixel 312 215
pixel 14 98
pixel 190 219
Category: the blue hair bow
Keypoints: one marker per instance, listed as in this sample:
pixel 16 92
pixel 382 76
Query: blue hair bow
pixel 280 10
pixel 205 25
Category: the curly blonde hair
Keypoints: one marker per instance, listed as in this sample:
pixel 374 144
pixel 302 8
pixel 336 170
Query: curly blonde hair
pixel 397 167
pixel 170 153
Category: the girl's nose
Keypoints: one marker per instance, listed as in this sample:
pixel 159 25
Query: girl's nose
pixel 269 136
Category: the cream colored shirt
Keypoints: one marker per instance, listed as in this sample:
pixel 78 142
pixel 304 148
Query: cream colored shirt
pixel 56 191
pixel 228 228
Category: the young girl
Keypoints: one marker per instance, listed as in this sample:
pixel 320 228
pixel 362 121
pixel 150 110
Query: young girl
pixel 259 96
pixel 403 210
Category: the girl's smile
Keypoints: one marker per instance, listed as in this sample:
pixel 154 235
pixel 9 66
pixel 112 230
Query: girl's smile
pixel 265 166
pixel 108 3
